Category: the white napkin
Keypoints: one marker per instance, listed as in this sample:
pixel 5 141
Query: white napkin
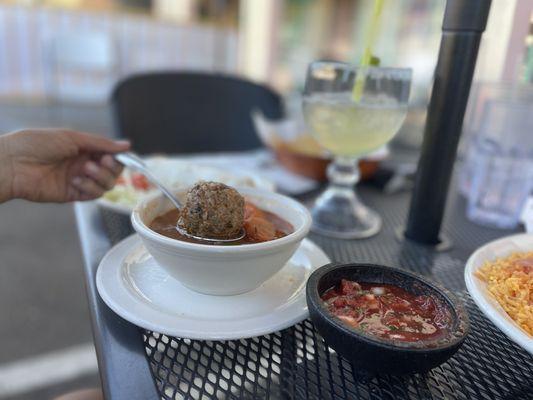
pixel 260 162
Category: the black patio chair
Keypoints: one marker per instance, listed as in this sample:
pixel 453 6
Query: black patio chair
pixel 185 112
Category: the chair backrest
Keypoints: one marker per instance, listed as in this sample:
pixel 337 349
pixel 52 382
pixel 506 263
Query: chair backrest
pixel 185 112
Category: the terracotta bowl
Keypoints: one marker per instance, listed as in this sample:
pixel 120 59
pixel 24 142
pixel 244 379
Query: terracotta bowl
pixel 314 167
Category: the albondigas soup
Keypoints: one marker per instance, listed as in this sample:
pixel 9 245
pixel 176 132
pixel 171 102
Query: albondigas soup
pixel 214 210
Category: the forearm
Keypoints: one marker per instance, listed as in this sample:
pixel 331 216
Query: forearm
pixel 6 171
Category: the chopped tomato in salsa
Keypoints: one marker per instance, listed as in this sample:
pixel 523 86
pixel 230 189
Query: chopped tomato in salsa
pixel 388 311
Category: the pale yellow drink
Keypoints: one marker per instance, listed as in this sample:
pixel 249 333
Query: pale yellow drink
pixel 348 128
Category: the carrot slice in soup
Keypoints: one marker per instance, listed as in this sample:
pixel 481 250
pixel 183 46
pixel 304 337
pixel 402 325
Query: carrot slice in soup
pixel 251 210
pixel 259 229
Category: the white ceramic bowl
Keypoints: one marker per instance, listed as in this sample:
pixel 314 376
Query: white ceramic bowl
pixel 223 270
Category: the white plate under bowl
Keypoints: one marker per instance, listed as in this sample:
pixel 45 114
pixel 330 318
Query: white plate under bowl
pixel 132 284
pixel 478 289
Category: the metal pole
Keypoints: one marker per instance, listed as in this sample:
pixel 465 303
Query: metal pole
pixel 464 23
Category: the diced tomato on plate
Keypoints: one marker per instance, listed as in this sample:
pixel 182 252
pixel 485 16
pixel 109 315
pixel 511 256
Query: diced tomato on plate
pixel 140 182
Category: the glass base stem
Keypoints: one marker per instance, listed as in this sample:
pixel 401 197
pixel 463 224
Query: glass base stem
pixel 338 212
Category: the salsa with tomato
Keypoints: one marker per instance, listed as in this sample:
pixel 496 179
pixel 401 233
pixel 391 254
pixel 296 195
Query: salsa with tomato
pixel 388 311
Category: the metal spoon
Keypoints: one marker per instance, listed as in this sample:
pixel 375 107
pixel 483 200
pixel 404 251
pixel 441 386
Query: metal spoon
pixel 136 163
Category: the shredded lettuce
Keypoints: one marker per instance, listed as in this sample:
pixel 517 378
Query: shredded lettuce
pixel 123 195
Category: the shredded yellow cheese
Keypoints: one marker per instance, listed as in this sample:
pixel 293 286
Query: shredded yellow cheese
pixel 510 281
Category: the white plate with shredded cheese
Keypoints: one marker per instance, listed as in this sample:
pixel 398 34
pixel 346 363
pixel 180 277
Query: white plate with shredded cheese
pixel 478 288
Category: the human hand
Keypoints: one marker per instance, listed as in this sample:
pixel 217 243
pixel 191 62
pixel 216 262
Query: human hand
pixel 50 165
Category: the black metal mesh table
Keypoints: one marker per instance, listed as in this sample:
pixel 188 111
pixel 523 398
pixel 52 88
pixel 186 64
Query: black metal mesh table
pixel 297 364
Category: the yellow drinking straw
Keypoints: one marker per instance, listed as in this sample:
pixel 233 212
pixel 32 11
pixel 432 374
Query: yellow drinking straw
pixel 367 54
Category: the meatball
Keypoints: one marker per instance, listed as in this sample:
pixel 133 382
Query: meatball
pixel 212 210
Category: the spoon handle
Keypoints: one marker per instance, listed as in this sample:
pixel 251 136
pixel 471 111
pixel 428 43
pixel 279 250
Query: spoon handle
pixel 133 161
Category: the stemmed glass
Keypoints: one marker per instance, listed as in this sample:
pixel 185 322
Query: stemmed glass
pixel 351 112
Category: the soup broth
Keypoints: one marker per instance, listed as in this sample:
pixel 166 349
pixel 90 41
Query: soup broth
pixel 260 226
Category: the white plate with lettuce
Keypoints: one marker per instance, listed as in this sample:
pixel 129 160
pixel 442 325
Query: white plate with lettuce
pixel 178 174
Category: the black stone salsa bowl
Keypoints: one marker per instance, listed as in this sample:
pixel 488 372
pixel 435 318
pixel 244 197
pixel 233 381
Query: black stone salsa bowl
pixel 370 352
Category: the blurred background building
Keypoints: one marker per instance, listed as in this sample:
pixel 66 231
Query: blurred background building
pixel 77 49
pixel 74 51
pixel 50 46
pixel 59 60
